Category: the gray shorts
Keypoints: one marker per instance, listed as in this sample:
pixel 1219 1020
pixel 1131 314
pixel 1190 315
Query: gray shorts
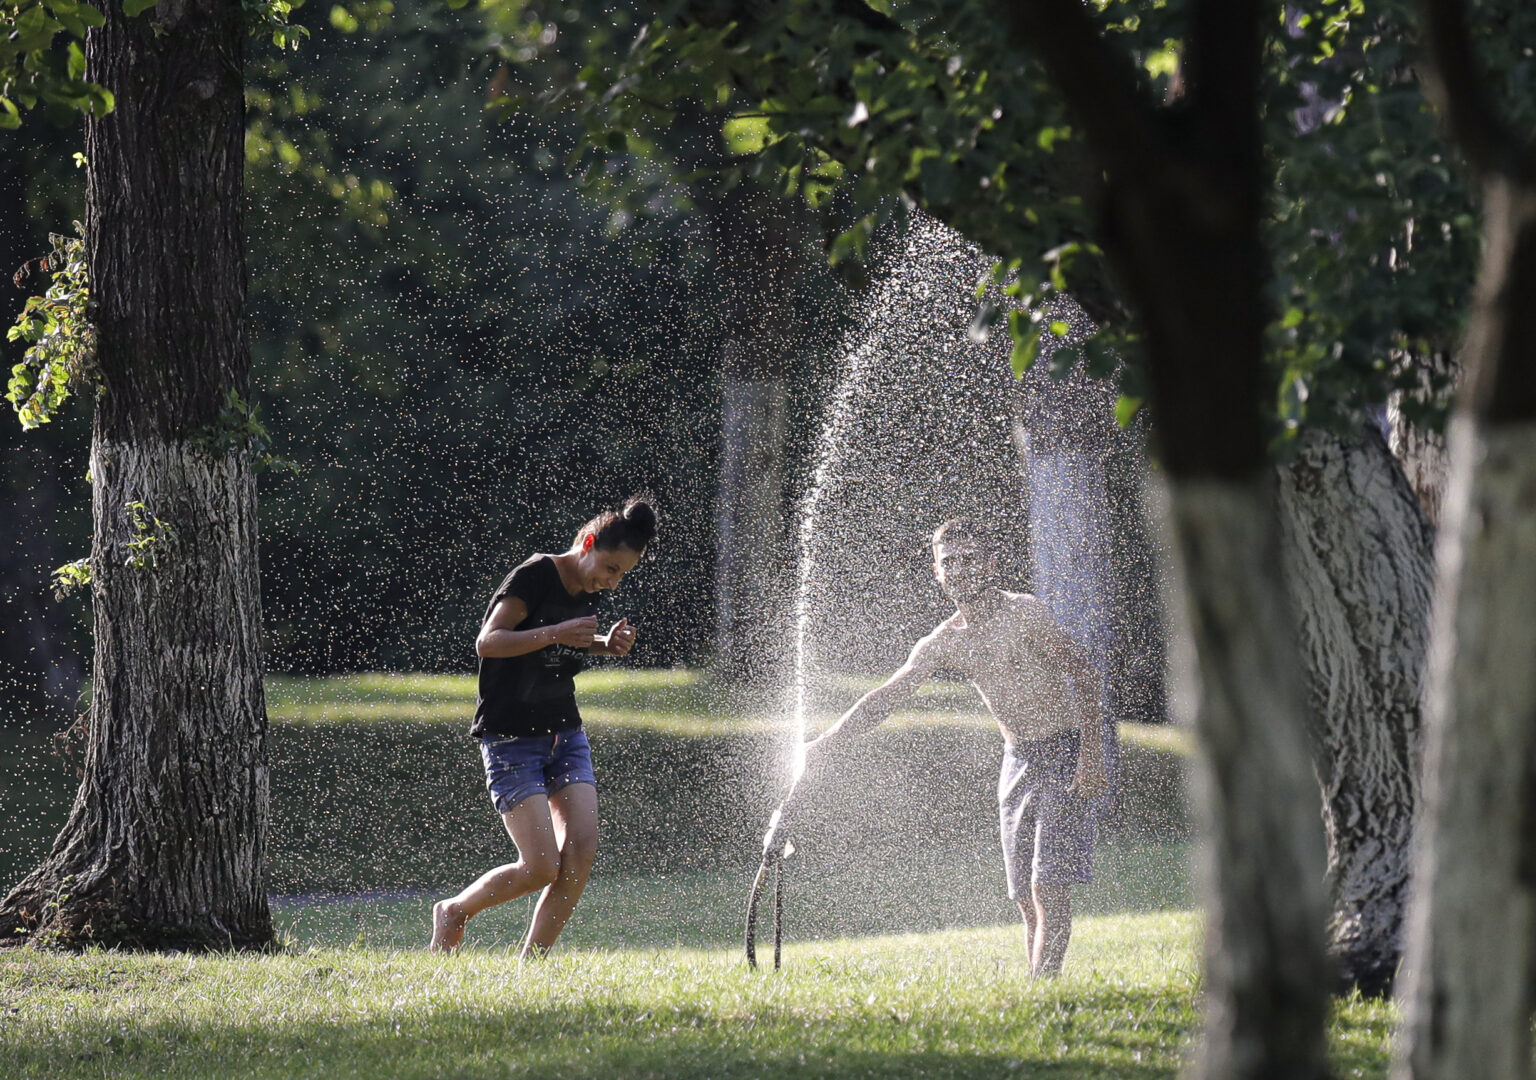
pixel 1047 830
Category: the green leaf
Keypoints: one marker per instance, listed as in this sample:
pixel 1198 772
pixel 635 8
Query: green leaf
pixel 1026 342
pixel 745 134
pixel 1126 409
pixel 137 7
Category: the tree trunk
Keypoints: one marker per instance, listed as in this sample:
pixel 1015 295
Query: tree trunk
pixel 1190 257
pixel 1472 923
pixel 165 842
pixel 1179 223
pixel 1071 546
pixel 1091 560
pixel 1262 862
pixel 1358 567
pixel 751 519
pixel 1419 450
pixel 758 250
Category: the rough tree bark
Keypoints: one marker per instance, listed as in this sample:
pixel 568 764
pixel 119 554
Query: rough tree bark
pixel 1180 225
pixel 1357 553
pixel 164 843
pixel 1472 923
pixel 1422 452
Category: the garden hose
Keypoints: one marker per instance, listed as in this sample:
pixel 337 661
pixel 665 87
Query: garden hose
pixel 776 848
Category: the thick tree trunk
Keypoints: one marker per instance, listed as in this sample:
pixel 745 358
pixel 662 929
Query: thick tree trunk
pixel 1267 975
pixel 1421 451
pixel 1181 207
pixel 1263 859
pixel 1472 922
pixel 1357 554
pixel 164 844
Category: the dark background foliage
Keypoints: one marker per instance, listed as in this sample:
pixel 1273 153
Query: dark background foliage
pixel 459 354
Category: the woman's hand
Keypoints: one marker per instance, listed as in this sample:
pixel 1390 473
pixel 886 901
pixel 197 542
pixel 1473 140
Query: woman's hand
pixel 577 633
pixel 618 641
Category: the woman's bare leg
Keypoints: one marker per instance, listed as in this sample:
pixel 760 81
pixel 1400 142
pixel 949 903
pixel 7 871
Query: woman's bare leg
pixel 530 825
pixel 574 808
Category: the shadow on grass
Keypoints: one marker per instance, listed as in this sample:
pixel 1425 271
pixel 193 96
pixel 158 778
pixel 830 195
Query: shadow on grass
pixel 1089 1036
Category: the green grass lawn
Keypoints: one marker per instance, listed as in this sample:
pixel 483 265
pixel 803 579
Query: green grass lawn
pixel 903 954
pixel 375 784
pixel 942 1004
pixel 676 700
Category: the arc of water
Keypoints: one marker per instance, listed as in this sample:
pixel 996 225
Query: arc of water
pixel 827 448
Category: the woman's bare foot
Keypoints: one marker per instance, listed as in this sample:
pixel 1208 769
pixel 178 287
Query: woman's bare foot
pixel 447 926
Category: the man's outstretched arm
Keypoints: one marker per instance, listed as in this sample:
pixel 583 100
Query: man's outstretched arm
pixel 871 710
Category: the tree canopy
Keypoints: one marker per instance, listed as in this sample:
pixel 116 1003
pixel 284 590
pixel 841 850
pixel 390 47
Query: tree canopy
pixel 1372 227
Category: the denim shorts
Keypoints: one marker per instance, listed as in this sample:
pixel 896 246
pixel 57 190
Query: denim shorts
pixel 1047 828
pixel 517 766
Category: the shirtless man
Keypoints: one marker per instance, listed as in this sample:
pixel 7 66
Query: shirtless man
pixel 1044 693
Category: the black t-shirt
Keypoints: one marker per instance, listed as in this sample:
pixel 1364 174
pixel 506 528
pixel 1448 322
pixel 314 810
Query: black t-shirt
pixel 533 694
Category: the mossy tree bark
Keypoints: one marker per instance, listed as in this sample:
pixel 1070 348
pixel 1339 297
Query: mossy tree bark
pixel 165 841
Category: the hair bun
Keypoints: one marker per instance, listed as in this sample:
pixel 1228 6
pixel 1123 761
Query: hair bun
pixel 641 518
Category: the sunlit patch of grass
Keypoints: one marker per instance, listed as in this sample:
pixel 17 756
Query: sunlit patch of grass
pixel 951 1004
pixel 673 701
pixel 705 907
pixel 1159 738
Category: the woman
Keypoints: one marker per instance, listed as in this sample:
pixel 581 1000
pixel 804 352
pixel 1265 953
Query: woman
pixel 538 631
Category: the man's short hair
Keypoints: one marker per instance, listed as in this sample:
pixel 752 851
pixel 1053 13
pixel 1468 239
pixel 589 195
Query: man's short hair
pixel 963 531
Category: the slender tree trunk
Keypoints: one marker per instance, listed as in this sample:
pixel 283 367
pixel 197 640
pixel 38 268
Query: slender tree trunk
pixel 1472 926
pixel 758 249
pixel 164 844
pixel 1357 556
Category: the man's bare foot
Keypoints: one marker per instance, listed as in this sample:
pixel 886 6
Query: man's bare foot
pixel 447 926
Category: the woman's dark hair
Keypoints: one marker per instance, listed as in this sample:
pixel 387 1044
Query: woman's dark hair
pixel 633 526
